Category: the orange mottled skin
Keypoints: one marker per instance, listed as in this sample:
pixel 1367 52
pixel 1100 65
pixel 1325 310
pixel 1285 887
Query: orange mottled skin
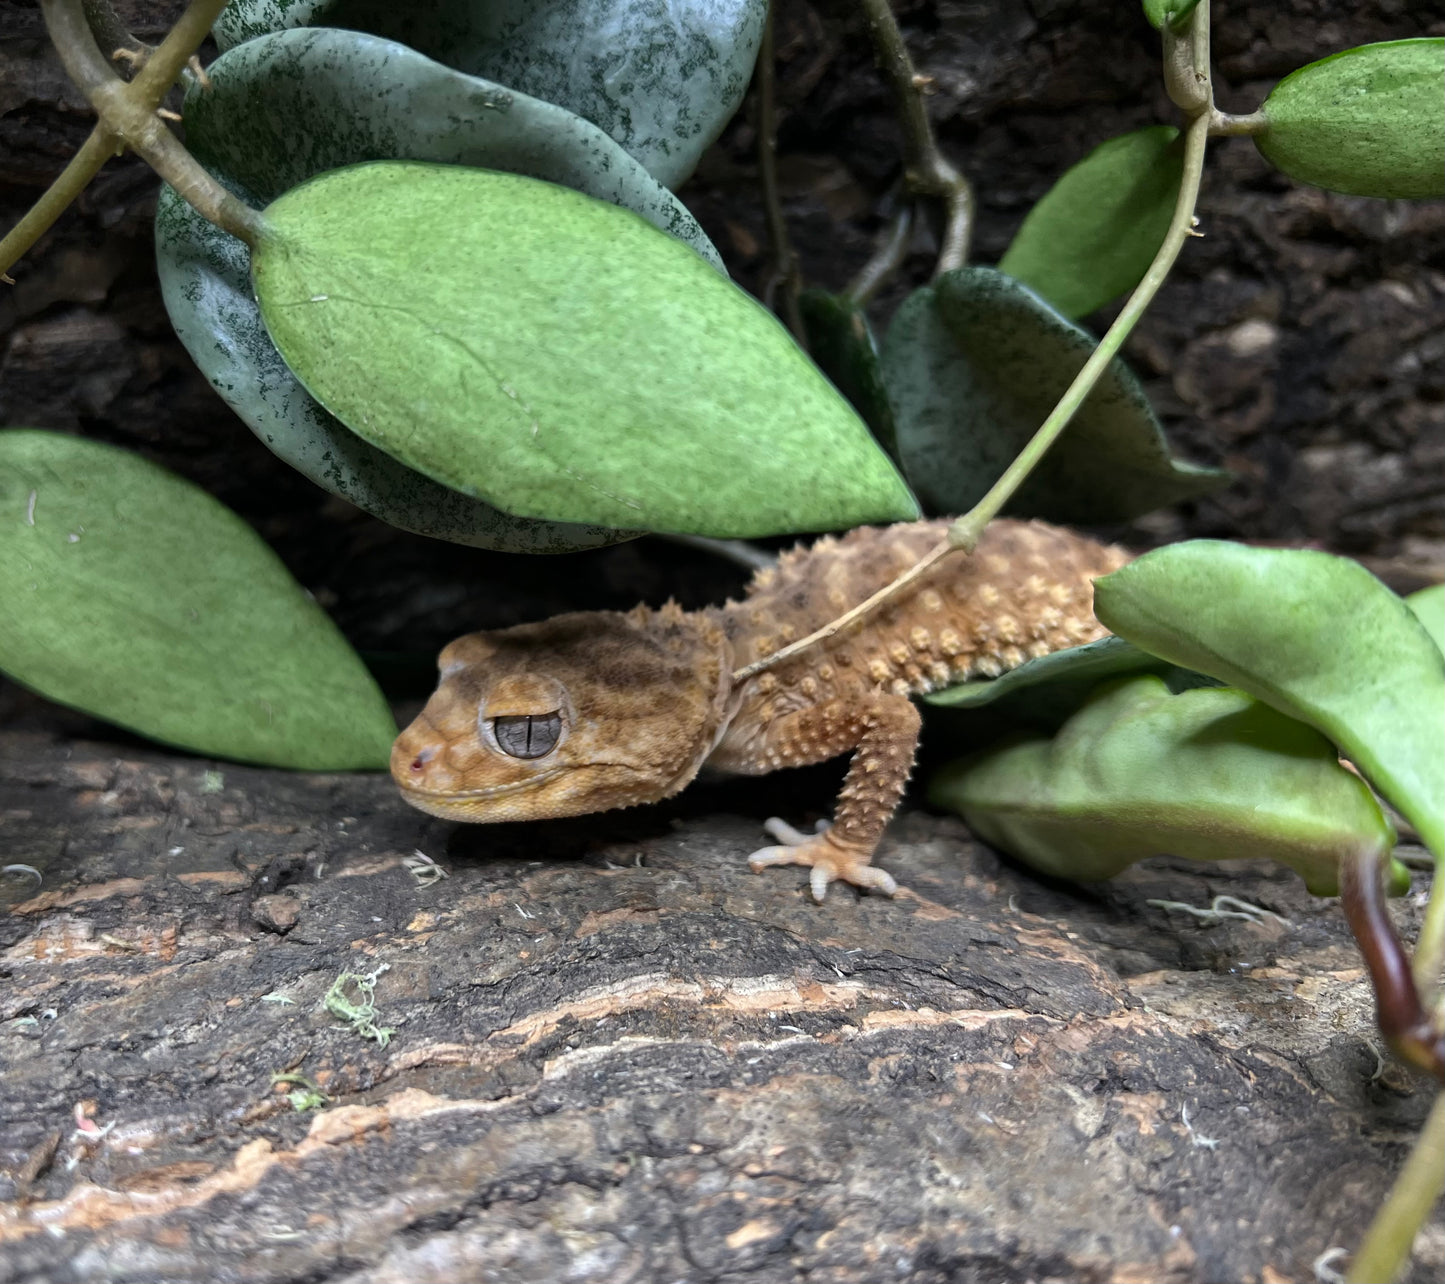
pixel 627 707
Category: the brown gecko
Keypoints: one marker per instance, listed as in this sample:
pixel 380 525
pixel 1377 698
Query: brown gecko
pixel 595 710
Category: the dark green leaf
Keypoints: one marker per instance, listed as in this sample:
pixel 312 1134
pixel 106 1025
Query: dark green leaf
pixel 974 363
pixel 1172 12
pixel 1099 227
pixel 135 596
pixel 841 341
pixel 1369 121
pixel 1075 667
pixel 1429 607
pixel 1316 636
pixel 662 77
pixel 288 106
pixel 1209 774
pixel 571 362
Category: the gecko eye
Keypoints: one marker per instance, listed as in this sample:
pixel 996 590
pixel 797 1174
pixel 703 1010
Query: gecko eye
pixel 527 735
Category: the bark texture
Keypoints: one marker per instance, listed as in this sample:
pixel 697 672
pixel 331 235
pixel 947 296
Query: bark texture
pixel 617 1055
pixel 649 1064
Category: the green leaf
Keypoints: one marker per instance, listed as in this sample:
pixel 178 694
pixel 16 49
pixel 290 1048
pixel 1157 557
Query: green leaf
pixel 1208 774
pixel 1172 12
pixel 1074 669
pixel 1369 121
pixel 841 341
pixel 570 363
pixel 288 106
pixel 133 595
pixel 661 77
pixel 974 363
pixel 1096 231
pixel 1429 607
pixel 1317 637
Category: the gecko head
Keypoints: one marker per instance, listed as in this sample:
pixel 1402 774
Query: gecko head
pixel 577 714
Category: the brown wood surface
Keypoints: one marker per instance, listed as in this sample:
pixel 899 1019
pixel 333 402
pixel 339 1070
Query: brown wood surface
pixel 618 1055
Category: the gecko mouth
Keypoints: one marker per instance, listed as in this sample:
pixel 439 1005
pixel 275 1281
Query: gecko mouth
pixel 474 795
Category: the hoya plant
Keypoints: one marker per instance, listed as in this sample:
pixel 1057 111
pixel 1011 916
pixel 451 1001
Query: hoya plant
pixel 430 254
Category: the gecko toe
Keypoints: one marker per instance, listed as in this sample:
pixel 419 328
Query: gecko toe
pixel 830 861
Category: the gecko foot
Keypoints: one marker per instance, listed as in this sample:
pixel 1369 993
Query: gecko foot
pixel 831 860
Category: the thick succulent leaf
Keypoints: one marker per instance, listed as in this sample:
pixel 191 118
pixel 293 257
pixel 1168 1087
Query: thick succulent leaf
pixel 1096 231
pixel 974 363
pixel 1172 12
pixel 1369 121
pixel 571 363
pixel 1073 667
pixel 285 107
pixel 661 77
pixel 1316 636
pixel 133 595
pixel 841 341
pixel 1209 774
pixel 1429 607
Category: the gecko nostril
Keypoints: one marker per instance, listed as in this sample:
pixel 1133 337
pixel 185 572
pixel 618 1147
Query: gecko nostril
pixel 424 757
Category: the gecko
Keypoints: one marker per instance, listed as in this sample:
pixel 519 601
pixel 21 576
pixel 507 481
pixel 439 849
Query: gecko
pixel 594 710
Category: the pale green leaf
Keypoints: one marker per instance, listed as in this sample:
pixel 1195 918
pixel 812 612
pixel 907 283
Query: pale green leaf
pixel 1369 121
pixel 1167 12
pixel 571 362
pixel 1429 607
pixel 285 107
pixel 1208 774
pixel 1096 231
pixel 133 595
pixel 1316 636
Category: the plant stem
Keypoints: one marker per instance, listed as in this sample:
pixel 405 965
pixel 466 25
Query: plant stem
pixel 58 197
pixel 885 261
pixel 1407 1025
pixel 926 170
pixel 833 627
pixel 966 530
pixel 1419 1185
pixel 127 119
pixel 1430 944
pixel 1224 125
pixel 785 262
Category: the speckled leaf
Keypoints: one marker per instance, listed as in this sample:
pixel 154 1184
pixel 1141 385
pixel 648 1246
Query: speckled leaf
pixel 974 363
pixel 572 362
pixel 1316 636
pixel 1173 12
pixel 841 341
pixel 1429 607
pixel 1096 231
pixel 662 77
pixel 133 595
pixel 285 107
pixel 1369 121
pixel 1208 774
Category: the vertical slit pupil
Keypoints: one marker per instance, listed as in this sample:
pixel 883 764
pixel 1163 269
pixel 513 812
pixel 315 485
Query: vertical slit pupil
pixel 527 735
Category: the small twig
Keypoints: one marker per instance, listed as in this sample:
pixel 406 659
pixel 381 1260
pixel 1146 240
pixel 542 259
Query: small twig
pixel 886 260
pixel 926 171
pixel 785 272
pixel 1392 1232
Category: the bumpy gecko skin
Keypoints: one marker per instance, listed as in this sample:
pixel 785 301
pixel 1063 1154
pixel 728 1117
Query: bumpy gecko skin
pixel 591 711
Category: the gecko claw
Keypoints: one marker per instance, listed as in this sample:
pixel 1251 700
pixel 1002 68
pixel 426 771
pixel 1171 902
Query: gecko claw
pixel 830 860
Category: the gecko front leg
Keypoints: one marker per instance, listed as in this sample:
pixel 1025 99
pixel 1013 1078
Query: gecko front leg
pixel 882 730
